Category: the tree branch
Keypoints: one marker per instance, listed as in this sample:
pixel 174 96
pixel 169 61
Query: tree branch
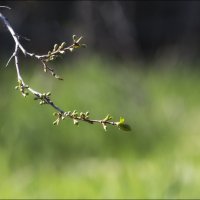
pixel 45 97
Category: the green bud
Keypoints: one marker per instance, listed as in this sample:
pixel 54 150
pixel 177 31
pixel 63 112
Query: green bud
pixel 62 45
pixel 76 122
pixel 107 118
pixel 20 82
pixel 49 53
pixel 75 112
pixel 55 114
pixel 87 113
pixel 82 115
pixel 68 113
pixel 55 47
pixel 74 38
pixel 77 45
pixel 52 57
pixel 62 52
pixel 58 77
pixel 41 102
pixel 104 126
pixel 63 117
pixel 71 49
pixel 56 122
pixel 121 125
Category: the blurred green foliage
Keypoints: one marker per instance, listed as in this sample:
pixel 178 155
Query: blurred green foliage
pixel 159 158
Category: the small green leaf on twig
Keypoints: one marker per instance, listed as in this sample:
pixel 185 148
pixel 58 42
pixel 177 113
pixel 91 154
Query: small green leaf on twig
pixel 122 126
pixel 76 122
pixel 122 120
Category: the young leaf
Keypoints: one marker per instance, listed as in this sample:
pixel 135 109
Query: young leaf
pixel 124 127
pixel 122 120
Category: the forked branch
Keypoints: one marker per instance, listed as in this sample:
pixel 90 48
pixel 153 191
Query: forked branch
pixel 44 98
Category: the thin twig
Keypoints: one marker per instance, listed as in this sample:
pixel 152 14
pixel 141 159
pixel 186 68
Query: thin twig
pixel 45 97
pixel 5 7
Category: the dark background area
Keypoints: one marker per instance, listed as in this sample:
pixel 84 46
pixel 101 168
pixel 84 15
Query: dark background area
pixel 139 30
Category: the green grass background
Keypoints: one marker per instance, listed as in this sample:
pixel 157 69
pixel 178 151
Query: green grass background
pixel 159 158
